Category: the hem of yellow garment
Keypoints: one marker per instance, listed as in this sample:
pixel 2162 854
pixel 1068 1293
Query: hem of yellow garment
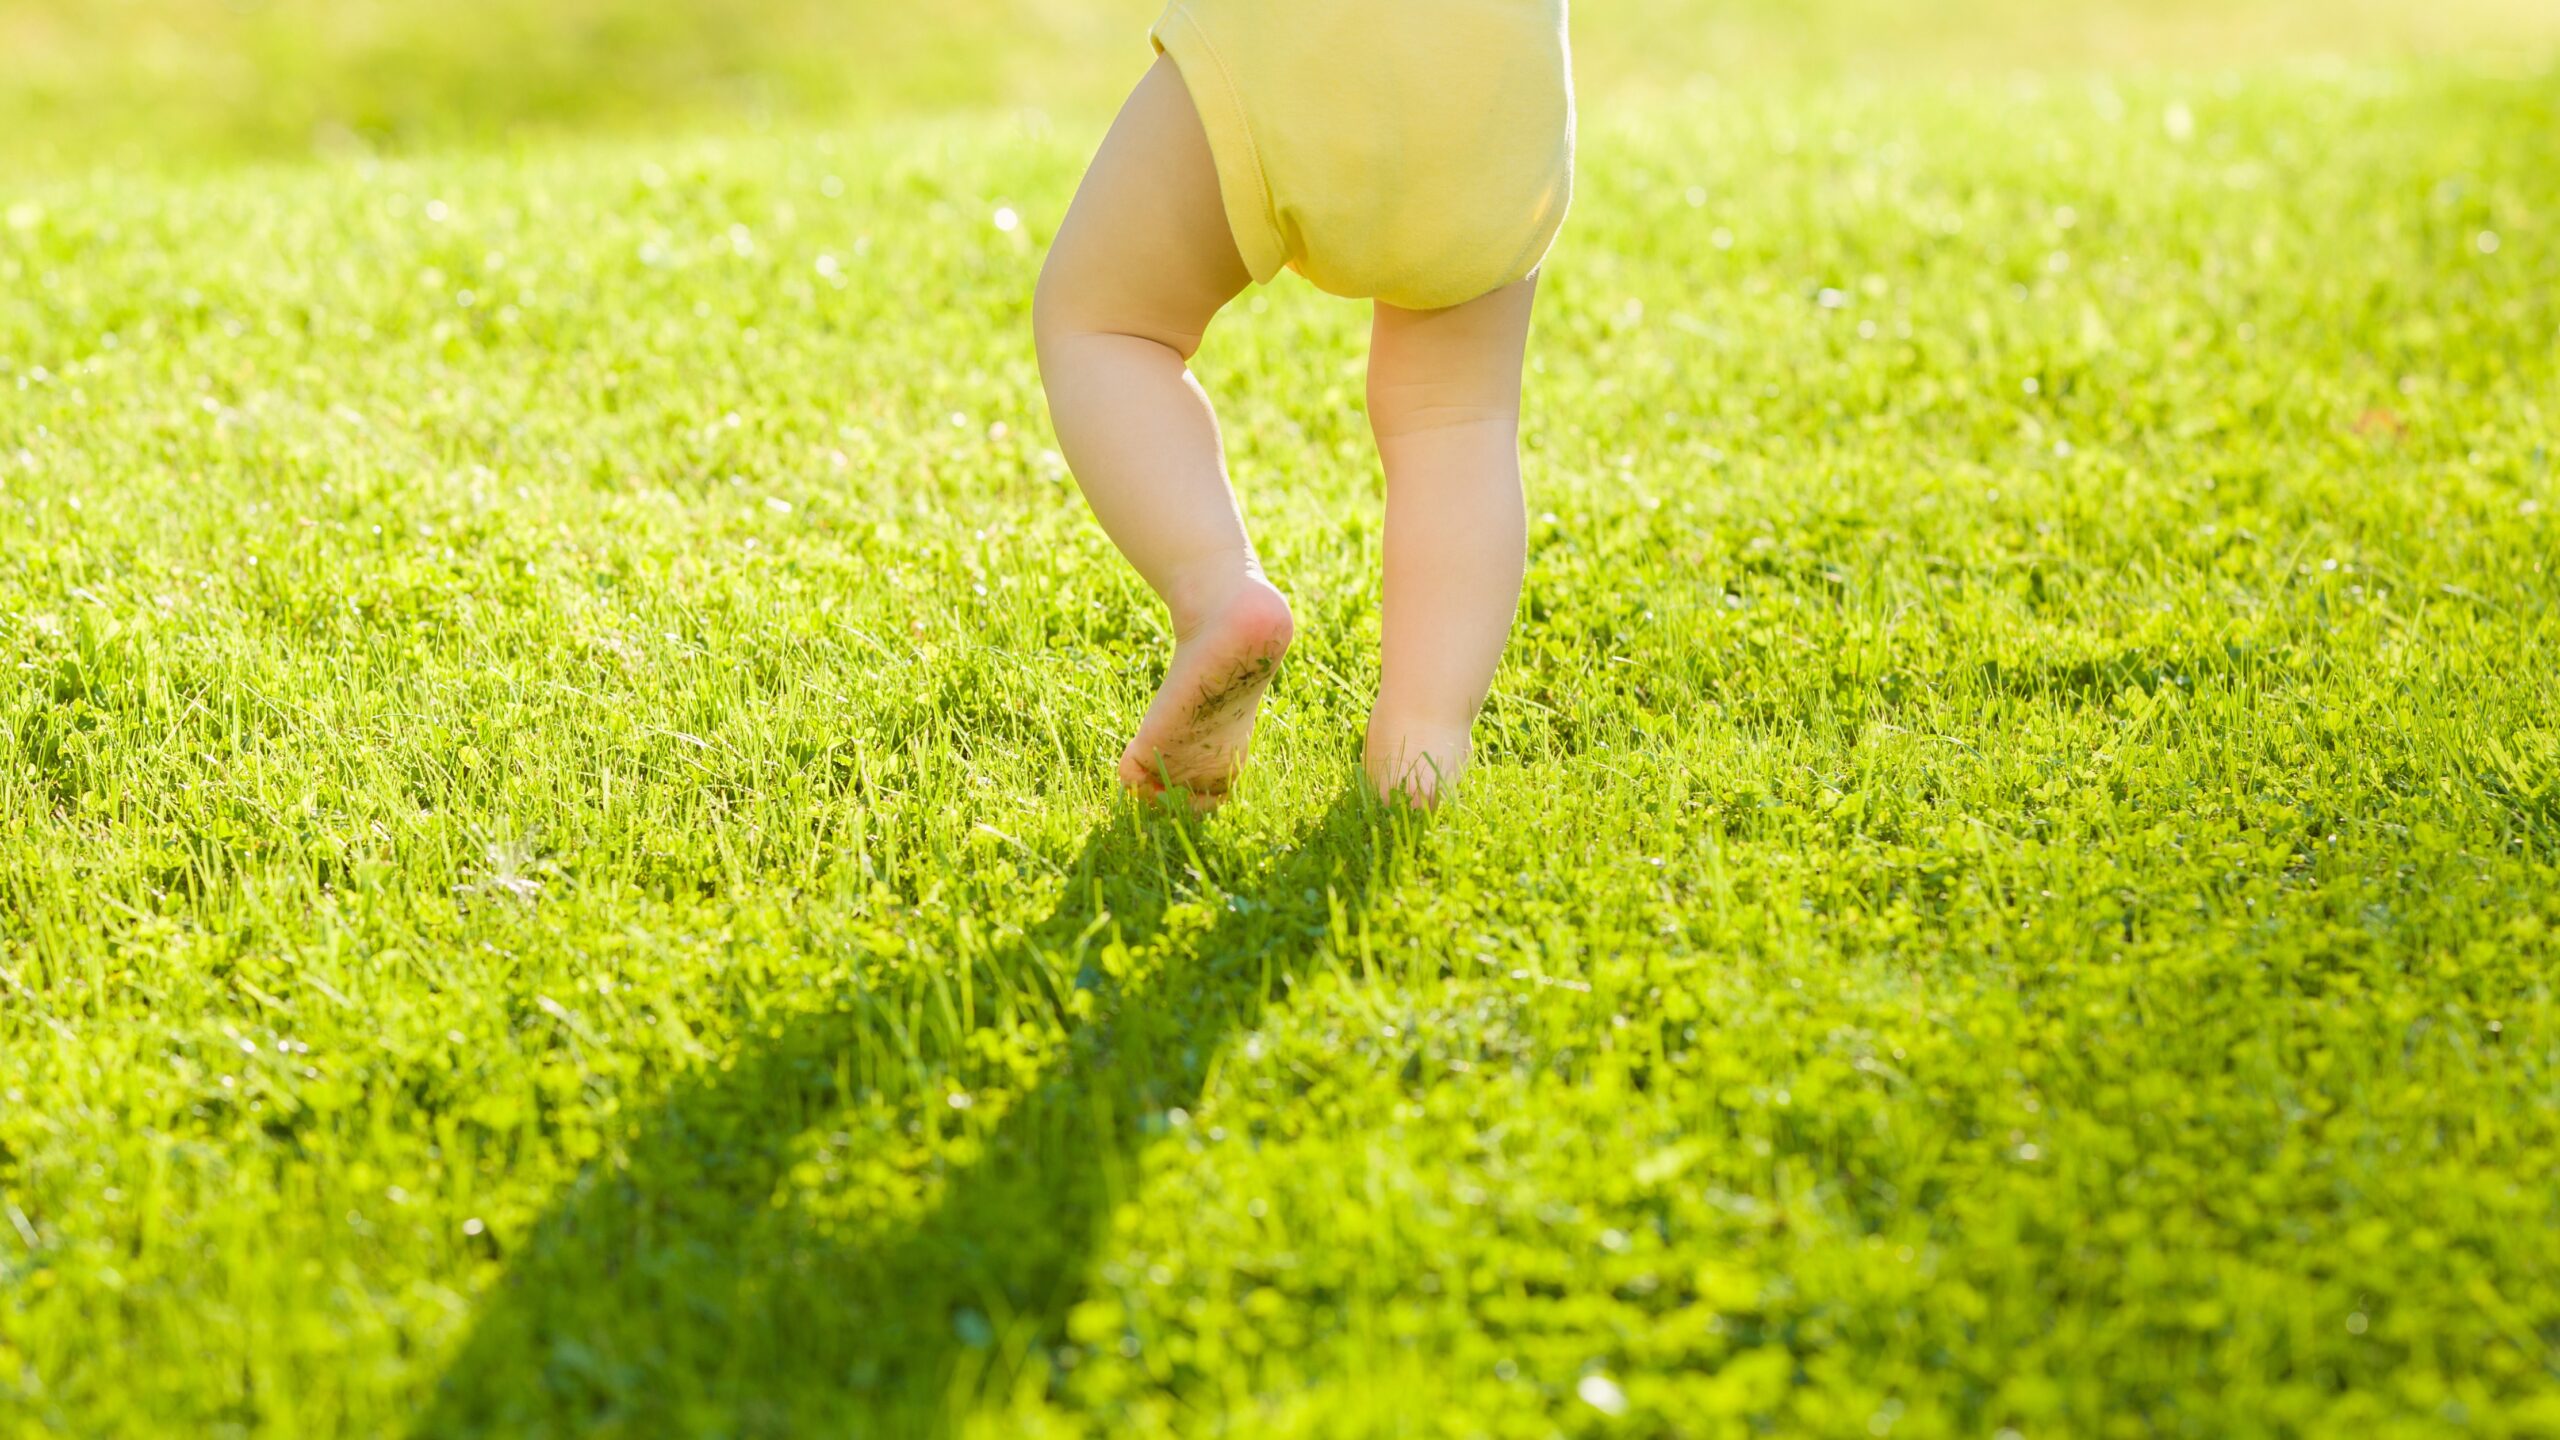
pixel 1242 187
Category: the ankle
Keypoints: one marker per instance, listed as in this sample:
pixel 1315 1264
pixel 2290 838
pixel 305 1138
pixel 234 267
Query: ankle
pixel 1418 727
pixel 1237 597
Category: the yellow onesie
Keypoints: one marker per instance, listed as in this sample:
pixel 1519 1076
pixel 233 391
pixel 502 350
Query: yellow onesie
pixel 1418 152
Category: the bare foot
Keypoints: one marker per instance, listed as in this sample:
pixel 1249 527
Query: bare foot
pixel 1418 765
pixel 1194 736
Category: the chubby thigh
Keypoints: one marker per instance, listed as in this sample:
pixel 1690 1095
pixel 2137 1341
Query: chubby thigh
pixel 1145 248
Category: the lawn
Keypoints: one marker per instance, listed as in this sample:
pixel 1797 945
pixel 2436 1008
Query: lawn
pixel 558 868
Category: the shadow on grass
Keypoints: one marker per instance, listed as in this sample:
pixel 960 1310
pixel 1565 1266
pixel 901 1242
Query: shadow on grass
pixel 701 1289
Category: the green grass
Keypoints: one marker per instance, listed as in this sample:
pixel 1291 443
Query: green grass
pixel 558 875
pixel 164 84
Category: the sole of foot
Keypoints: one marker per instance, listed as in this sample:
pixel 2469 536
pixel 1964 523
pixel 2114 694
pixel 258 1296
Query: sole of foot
pixel 1194 736
pixel 1415 765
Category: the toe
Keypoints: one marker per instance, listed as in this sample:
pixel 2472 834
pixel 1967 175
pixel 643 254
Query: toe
pixel 1139 774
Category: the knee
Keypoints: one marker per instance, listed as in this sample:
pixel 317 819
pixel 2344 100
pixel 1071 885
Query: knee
pixel 1053 313
pixel 1400 408
pixel 1067 308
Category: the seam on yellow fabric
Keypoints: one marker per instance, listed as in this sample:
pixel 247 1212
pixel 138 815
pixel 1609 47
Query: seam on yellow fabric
pixel 1244 123
pixel 1545 238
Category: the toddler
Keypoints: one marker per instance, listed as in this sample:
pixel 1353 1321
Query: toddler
pixel 1416 153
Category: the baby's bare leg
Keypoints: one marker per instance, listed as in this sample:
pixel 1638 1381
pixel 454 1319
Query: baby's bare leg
pixel 1142 262
pixel 1444 399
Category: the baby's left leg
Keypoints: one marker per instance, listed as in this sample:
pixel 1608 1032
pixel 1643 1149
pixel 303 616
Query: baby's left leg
pixel 1142 263
pixel 1444 401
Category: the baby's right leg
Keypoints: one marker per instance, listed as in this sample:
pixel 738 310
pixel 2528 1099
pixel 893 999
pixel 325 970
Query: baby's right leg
pixel 1141 264
pixel 1444 400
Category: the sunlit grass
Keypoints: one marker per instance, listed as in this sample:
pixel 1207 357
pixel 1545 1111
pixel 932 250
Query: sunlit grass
pixel 557 867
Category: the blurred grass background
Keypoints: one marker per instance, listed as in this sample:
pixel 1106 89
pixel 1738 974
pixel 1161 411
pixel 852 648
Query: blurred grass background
pixel 166 83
